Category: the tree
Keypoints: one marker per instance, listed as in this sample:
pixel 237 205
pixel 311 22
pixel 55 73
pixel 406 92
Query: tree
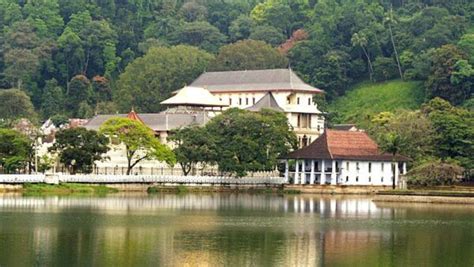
pixel 434 173
pixel 78 148
pixel 389 20
pixel 150 79
pixel 15 104
pixel 240 28
pixel 79 93
pixel 247 141
pixel 15 149
pixel 194 145
pixel 439 80
pixel 466 43
pixel 200 34
pixel 52 102
pixel 248 55
pixel 268 34
pixel 360 40
pixel 455 131
pixel 384 69
pixel 139 141
pixel 192 11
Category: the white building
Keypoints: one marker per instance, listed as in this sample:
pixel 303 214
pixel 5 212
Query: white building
pixel 343 158
pixel 280 89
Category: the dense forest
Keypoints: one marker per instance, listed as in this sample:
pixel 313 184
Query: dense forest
pixel 78 58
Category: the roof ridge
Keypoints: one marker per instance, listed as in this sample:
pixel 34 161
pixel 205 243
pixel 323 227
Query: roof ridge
pixel 326 132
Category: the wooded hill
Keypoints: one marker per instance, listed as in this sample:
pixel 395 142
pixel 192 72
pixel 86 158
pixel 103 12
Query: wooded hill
pixel 77 58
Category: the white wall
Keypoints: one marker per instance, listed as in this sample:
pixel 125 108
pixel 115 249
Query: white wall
pixel 362 176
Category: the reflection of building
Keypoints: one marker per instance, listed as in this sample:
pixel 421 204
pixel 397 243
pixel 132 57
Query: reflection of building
pixel 343 158
pixel 279 89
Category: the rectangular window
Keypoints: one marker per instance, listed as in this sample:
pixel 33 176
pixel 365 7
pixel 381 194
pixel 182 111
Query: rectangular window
pixel 309 101
pixel 347 178
pixel 298 121
pixel 253 100
pixel 240 101
pixel 370 179
pixel 246 101
pixel 370 167
pixel 347 166
pixel 357 166
pixel 230 101
pixel 382 167
pixel 297 100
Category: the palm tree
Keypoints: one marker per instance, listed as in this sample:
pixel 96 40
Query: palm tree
pixel 360 39
pixel 393 144
pixel 389 20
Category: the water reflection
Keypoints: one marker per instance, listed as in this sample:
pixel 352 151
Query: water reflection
pixel 231 229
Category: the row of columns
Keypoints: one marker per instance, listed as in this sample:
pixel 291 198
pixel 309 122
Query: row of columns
pixel 312 177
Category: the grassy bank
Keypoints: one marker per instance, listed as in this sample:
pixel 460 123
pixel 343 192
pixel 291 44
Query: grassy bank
pixel 66 188
pixel 368 98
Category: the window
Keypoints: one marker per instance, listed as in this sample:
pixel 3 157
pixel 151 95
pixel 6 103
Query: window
pixel 230 101
pixel 370 167
pixel 298 121
pixel 382 167
pixel 246 101
pixel 288 100
pixel 253 100
pixel 347 178
pixel 347 165
pixel 357 178
pixel 240 101
pixel 309 101
pixel 297 100
pixel 304 121
pixel 370 179
pixel 357 166
pixel 381 179
pixel 220 98
pixel 319 128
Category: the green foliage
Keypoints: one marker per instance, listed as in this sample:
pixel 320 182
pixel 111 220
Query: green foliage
pixel 247 141
pixel 384 69
pixel 139 141
pixel 78 148
pixel 248 55
pixel 454 131
pixel 66 188
pixel 367 99
pixel 15 105
pixel 268 34
pixel 200 34
pixel 15 149
pixel 150 79
pixel 435 172
pixel 442 83
pixel 53 100
pixel 194 145
pixel 78 94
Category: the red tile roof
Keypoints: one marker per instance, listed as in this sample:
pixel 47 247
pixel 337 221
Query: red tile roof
pixel 334 144
pixel 134 116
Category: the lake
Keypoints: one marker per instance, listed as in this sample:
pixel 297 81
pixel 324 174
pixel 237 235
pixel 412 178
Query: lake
pixel 231 230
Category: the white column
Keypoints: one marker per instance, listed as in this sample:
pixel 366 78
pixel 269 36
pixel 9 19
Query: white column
pixel 297 169
pixel 404 168
pixel 311 176
pixel 287 167
pixel 303 172
pixel 333 173
pixel 323 172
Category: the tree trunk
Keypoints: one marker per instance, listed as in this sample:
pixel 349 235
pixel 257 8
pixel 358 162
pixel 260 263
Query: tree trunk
pixel 395 51
pixel 369 62
pixel 394 165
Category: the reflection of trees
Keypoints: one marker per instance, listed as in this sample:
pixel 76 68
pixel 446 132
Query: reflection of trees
pixel 232 230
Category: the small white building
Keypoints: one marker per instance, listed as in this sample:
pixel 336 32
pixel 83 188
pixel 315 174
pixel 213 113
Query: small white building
pixel 343 158
pixel 279 89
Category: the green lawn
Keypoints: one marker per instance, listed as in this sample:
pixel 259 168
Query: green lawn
pixel 366 99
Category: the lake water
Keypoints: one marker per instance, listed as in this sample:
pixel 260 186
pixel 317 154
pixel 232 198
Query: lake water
pixel 231 230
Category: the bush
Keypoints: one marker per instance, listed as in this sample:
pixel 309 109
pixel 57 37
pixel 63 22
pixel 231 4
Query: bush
pixel 434 173
pixel 384 69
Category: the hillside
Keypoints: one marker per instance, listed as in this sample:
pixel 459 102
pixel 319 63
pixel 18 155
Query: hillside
pixel 370 98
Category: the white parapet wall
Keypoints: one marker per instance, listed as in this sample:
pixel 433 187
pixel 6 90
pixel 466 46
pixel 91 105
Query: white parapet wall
pixel 163 179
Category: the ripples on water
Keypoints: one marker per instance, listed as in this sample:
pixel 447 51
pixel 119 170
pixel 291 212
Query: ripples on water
pixel 232 230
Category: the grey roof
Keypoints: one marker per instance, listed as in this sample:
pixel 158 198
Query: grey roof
pixel 344 127
pixel 156 121
pixel 267 101
pixel 253 80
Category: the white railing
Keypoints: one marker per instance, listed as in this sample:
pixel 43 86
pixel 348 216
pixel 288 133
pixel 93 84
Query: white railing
pixel 21 178
pixel 165 179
